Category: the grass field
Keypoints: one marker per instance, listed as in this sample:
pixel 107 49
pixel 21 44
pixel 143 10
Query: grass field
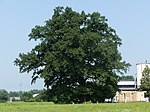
pixel 50 107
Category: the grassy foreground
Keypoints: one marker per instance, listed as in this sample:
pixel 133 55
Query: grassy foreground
pixel 50 107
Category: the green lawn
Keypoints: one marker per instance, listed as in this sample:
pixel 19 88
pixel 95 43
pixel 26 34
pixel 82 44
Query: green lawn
pixel 50 107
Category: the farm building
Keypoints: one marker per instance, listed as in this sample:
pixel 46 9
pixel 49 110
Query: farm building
pixel 129 90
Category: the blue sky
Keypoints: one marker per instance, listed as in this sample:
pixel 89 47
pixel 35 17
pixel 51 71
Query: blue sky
pixel 130 19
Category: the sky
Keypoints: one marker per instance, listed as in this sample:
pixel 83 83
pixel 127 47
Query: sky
pixel 130 19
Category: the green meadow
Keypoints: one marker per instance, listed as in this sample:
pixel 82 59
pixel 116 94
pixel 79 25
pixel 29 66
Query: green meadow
pixel 50 107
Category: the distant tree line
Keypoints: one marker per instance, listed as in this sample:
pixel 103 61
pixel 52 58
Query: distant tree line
pixel 127 78
pixel 26 96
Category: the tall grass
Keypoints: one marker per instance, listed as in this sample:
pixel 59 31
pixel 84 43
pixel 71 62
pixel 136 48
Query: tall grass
pixel 50 107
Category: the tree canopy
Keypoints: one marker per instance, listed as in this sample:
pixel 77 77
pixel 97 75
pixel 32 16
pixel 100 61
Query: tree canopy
pixel 77 56
pixel 3 95
pixel 145 81
pixel 127 78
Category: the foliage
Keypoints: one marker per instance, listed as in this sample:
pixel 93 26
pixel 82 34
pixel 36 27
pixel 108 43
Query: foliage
pixel 145 81
pixel 77 56
pixel 27 96
pixel 15 93
pixel 3 95
pixel 127 78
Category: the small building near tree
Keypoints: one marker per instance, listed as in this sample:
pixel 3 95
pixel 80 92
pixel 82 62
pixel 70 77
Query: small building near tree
pixel 14 99
pixel 129 90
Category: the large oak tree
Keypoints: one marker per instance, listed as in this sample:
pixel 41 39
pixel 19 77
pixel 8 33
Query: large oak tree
pixel 77 56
